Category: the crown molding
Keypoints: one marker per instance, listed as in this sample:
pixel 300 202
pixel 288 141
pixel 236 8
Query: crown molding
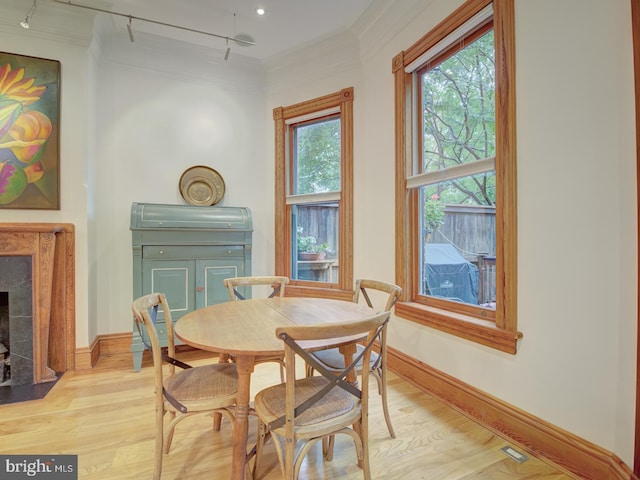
pixel 382 21
pixel 313 61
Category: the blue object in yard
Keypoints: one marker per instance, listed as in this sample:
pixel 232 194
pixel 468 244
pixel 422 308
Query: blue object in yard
pixel 449 275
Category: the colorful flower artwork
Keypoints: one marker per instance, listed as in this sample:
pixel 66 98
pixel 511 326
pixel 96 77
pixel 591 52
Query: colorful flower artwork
pixel 29 126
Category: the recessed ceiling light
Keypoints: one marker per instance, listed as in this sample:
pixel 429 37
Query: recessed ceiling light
pixel 260 11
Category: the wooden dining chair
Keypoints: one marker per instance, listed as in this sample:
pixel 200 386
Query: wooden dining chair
pixel 334 360
pixel 238 286
pixel 190 391
pixel 298 413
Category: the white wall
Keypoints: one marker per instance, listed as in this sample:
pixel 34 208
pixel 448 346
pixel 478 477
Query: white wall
pixel 160 108
pixel 577 219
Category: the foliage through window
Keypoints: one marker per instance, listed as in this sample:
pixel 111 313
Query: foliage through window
pixel 317 156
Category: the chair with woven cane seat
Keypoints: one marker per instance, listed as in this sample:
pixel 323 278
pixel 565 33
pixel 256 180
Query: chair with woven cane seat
pixel 334 360
pixel 238 286
pixel 190 391
pixel 301 412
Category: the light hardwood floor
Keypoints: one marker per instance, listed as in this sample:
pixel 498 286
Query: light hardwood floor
pixel 106 417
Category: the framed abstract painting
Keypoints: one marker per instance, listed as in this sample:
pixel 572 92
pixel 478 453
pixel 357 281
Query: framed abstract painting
pixel 29 132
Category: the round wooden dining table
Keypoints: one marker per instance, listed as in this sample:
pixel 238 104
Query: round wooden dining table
pixel 246 330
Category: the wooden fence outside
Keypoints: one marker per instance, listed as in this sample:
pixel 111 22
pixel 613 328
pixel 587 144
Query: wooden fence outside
pixel 472 231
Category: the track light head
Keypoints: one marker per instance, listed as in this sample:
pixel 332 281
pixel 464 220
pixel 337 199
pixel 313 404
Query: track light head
pixel 130 31
pixel 226 54
pixel 25 23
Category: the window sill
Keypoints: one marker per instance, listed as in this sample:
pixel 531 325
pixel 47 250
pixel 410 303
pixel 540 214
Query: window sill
pixel 294 290
pixel 464 326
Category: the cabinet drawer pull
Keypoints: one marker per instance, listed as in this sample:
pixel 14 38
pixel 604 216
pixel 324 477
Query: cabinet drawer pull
pixel 199 289
pixel 161 252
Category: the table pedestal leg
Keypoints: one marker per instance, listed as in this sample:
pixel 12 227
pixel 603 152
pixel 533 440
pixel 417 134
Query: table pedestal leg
pixel 245 366
pixel 348 351
pixel 217 417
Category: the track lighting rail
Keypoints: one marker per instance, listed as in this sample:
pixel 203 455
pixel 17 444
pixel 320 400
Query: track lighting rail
pixel 237 39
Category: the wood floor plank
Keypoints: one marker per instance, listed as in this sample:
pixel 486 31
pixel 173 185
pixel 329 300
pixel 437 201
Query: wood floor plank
pixel 106 417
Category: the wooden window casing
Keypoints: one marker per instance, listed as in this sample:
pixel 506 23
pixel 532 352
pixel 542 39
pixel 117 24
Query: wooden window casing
pixel 470 323
pixel 341 101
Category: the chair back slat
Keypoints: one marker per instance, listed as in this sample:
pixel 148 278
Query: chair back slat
pixel 277 284
pixel 364 287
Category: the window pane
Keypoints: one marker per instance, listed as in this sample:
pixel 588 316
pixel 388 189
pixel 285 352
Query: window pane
pixel 458 100
pixel 458 238
pixel 315 242
pixel 317 157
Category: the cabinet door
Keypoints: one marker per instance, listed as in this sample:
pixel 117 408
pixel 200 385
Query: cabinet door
pixel 174 278
pixel 210 275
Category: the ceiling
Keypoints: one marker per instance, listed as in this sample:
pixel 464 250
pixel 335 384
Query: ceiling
pixel 286 25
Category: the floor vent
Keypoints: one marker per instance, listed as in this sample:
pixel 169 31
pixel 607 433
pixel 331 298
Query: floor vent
pixel 514 454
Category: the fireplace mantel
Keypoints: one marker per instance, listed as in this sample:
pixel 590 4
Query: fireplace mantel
pixel 52 248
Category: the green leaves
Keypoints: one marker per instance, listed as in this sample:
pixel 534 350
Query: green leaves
pixel 458 100
pixel 318 157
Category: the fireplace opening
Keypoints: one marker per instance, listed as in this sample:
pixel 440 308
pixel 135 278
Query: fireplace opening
pixel 16 324
pixel 16 332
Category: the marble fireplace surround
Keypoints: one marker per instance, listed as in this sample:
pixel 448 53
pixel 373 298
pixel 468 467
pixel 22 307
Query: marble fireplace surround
pixel 51 247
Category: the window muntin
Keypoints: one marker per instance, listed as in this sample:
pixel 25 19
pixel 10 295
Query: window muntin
pixel 416 182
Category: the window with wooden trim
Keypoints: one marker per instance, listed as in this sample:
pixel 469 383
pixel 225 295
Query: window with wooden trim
pixel 314 177
pixel 455 169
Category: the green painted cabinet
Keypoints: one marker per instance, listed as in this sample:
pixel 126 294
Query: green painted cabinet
pixel 186 252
